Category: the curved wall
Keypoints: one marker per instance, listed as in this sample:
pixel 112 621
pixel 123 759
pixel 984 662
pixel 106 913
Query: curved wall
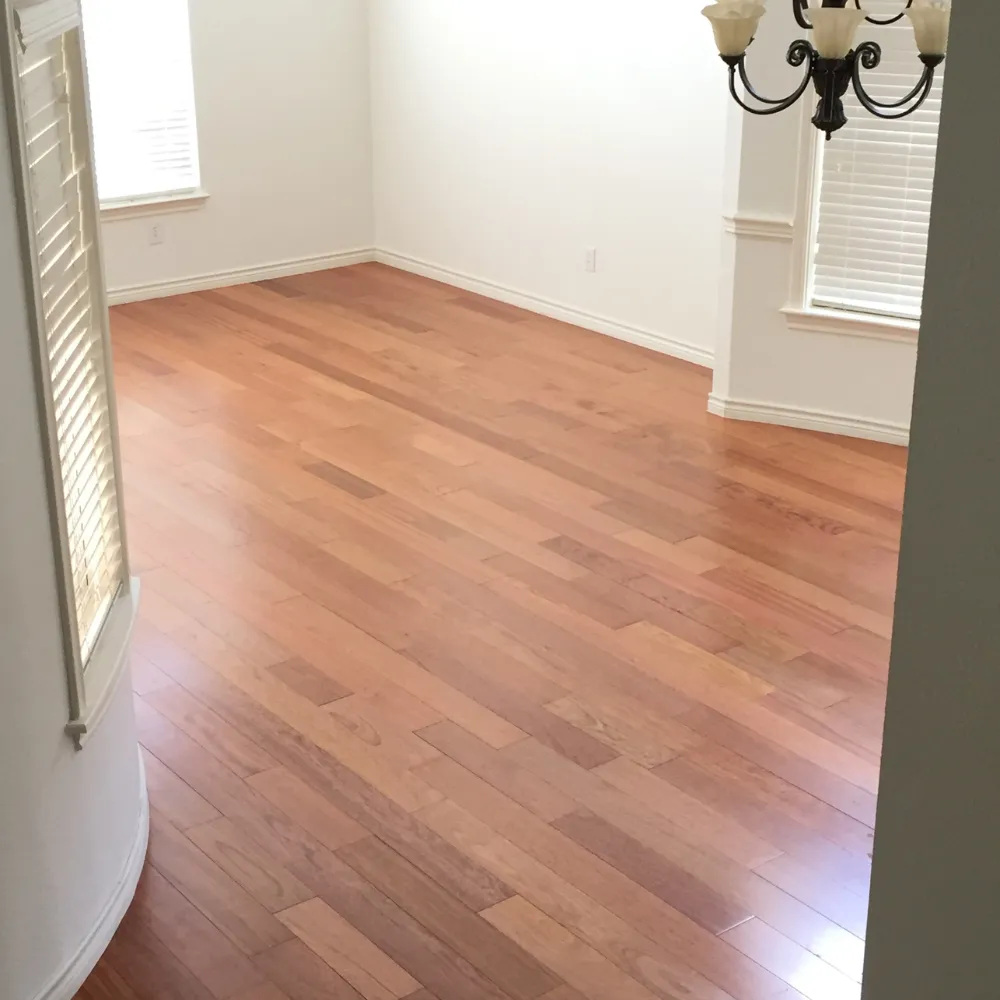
pixel 72 824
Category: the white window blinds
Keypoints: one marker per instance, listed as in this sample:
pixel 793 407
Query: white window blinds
pixel 142 94
pixel 875 188
pixel 63 218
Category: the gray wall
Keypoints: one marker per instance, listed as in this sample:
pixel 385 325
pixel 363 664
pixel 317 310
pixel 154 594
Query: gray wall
pixel 934 930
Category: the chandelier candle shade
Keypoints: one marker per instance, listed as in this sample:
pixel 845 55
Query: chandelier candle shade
pixel 734 23
pixel 833 62
pixel 930 26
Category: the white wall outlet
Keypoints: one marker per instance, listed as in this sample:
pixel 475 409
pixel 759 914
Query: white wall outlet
pixel 156 236
pixel 590 260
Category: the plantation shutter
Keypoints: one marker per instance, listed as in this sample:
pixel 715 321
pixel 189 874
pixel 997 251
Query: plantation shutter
pixel 875 187
pixel 142 89
pixel 62 214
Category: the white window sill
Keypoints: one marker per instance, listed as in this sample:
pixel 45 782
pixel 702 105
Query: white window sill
pixel 159 204
pixel 107 664
pixel 851 324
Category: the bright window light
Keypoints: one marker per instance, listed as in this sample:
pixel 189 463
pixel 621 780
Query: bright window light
pixel 142 98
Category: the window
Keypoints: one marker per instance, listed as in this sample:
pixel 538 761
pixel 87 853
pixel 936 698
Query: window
pixel 874 198
pixel 142 98
pixel 59 215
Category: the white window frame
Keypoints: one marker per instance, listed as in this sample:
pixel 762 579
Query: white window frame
pixel 90 691
pixel 800 314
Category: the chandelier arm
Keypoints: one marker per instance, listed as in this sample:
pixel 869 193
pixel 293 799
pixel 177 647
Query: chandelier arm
pixel 867 56
pixel 923 91
pixel 889 20
pixel 921 85
pixel 742 70
pixel 798 6
pixel 773 106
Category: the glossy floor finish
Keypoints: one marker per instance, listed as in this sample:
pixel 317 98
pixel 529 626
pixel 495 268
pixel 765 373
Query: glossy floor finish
pixel 477 661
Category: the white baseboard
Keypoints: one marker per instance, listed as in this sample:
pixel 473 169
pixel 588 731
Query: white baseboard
pixel 589 321
pixel 554 310
pixel 241 276
pixel 810 420
pixel 65 984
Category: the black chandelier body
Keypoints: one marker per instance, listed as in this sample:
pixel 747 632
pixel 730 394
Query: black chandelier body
pixel 831 77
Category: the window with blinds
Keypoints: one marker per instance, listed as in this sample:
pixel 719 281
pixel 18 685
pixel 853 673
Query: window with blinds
pixel 874 194
pixel 62 216
pixel 142 95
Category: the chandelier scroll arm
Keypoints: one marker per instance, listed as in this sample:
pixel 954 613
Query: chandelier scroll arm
pixel 868 55
pixel 888 20
pixel 799 52
pixel 798 9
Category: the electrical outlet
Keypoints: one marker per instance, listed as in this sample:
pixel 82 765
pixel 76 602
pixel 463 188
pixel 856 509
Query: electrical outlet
pixel 156 236
pixel 590 260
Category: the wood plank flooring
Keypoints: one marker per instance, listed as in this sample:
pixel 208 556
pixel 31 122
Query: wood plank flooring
pixel 477 662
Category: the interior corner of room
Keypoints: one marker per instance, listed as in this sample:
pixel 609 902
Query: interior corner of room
pixel 560 164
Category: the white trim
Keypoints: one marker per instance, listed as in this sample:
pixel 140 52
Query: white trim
pixel 65 984
pixel 43 20
pixel 107 665
pixel 811 147
pixel 761 227
pixel 650 339
pixel 154 204
pixel 241 276
pixel 852 324
pixel 807 419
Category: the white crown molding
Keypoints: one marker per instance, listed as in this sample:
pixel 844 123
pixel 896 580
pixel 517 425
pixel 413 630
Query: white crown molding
pixel 65 984
pixel 808 419
pixel 761 227
pixel 240 276
pixel 850 324
pixel 650 339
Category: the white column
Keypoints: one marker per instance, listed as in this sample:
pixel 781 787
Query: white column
pixel 765 369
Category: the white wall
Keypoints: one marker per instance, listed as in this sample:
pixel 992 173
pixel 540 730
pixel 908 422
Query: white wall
pixel 509 135
pixel 68 820
pixel 285 137
pixel 844 383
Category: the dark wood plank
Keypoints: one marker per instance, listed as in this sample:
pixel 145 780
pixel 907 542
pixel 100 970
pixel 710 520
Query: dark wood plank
pixel 798 771
pixel 163 912
pixel 675 886
pixel 174 798
pixel 233 910
pixel 405 940
pixel 302 975
pixel 343 480
pixel 541 797
pixel 348 952
pixel 511 705
pixel 143 964
pixel 308 681
pixel 513 970
pixel 269 882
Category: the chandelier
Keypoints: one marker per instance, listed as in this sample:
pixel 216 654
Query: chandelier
pixel 832 62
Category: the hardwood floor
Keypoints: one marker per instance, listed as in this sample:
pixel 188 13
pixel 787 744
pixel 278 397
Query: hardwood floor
pixel 476 661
